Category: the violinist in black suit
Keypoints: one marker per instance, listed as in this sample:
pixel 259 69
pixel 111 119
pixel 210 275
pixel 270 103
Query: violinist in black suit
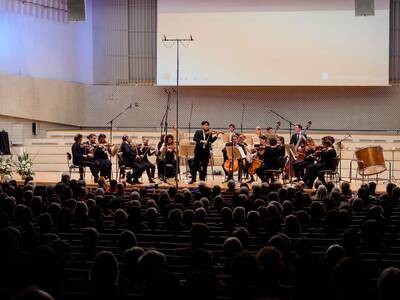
pixel 203 139
pixel 327 161
pixel 102 150
pixel 131 158
pixel 81 157
pixel 145 150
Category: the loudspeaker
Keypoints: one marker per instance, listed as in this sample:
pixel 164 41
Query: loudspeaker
pixel 34 132
pixel 365 7
pixel 76 10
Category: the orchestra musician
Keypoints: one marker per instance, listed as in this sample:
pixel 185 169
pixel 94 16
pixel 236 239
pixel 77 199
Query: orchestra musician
pixel 326 161
pixel 166 163
pixel 145 150
pixel 83 158
pixel 271 159
pixel 203 139
pixel 304 158
pixel 131 159
pixel 229 173
pixel 270 130
pixel 102 150
pixel 297 135
pixel 256 137
pixel 245 163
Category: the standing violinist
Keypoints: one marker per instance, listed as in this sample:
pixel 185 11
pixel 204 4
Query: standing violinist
pixel 101 153
pixel 145 151
pixel 81 158
pixel 203 139
pixel 326 162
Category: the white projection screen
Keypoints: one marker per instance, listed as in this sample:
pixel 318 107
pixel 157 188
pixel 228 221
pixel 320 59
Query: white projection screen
pixel 273 43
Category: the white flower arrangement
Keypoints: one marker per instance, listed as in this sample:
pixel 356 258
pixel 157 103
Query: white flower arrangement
pixel 5 166
pixel 24 165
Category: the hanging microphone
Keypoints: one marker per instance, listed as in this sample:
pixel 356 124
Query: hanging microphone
pixel 136 104
pixel 130 106
pixel 191 38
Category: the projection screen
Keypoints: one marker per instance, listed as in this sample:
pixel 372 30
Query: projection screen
pixel 273 43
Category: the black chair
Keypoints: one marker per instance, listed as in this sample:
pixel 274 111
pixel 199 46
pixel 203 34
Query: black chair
pixel 331 174
pixel 121 167
pixel 72 168
pixel 277 174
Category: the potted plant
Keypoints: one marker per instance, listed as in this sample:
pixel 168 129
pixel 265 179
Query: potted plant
pixel 24 165
pixel 5 166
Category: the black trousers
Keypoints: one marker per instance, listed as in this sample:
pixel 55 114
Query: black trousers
pixel 300 165
pixel 170 168
pixel 313 172
pixel 150 169
pixel 200 164
pixel 92 166
pixel 104 165
pixel 137 167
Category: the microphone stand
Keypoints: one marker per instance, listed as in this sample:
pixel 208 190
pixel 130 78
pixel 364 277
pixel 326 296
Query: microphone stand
pixel 178 41
pixel 190 120
pixel 339 144
pixel 290 136
pixel 165 120
pixel 111 122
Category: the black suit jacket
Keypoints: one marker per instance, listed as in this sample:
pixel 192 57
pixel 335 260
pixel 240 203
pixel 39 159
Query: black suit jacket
pixel 128 154
pixel 294 139
pixel 201 148
pixel 77 154
pixel 272 158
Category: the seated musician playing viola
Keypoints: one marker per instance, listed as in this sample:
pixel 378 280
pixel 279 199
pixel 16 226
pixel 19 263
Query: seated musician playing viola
pixel 82 158
pixel 326 162
pixel 271 160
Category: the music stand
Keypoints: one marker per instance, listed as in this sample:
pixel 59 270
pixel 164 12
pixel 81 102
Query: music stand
pixel 186 150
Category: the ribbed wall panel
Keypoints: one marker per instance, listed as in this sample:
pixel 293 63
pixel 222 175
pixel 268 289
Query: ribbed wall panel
pixel 142 40
pixel 54 10
pixel 394 65
pixel 124 41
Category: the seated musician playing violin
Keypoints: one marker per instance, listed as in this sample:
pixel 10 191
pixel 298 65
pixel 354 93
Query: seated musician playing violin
pixel 166 163
pixel 304 158
pixel 203 139
pixel 145 151
pixel 102 150
pixel 325 162
pixel 271 160
pixel 83 158
pixel 131 158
